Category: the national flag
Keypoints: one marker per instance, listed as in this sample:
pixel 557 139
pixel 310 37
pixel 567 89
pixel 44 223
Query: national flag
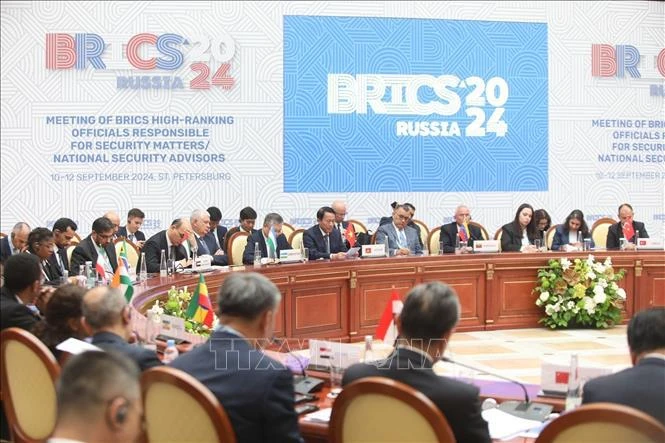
pixel 386 330
pixel 200 309
pixel 99 267
pixel 271 242
pixel 121 278
pixel 464 232
pixel 123 255
pixel 628 230
pixel 350 235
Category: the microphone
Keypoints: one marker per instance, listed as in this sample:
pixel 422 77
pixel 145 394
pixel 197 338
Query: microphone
pixel 302 384
pixel 524 409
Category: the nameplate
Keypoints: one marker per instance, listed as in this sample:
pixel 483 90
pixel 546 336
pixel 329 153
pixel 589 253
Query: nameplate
pixel 554 374
pixel 290 255
pixel 324 353
pixel 374 250
pixel 486 246
pixel 173 326
pixel 649 243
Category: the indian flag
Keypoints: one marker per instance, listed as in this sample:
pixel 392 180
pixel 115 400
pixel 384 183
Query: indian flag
pixel 200 309
pixel 121 278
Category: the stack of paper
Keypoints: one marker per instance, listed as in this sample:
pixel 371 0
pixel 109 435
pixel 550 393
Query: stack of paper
pixel 320 416
pixel 503 425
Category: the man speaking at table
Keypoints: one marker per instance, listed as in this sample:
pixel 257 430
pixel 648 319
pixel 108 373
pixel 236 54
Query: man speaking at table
pixel 323 240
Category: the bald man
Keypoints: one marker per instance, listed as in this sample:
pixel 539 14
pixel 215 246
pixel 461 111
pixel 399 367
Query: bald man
pixel 115 219
pixel 339 206
pixel 460 226
pixel 16 242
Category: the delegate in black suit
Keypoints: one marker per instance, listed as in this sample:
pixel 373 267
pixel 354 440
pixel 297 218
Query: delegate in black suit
pixel 314 241
pixel 138 235
pixel 257 237
pixel 109 341
pixel 511 240
pixel 53 260
pixel 641 387
pixel 87 251
pixel 385 220
pixel 449 236
pixel 458 401
pixel 153 251
pixel 229 234
pixel 255 390
pixel 5 249
pixel 614 233
pixel 51 272
pixel 204 249
pixel 14 314
pixel 213 242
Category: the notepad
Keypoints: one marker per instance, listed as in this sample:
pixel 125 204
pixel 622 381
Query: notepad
pixel 503 425
pixel 320 416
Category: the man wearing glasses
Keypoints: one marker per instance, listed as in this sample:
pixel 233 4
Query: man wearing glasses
pixel 97 244
pixel 402 239
pixel 171 241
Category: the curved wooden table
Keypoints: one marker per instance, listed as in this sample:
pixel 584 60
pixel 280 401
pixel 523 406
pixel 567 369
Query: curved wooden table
pixel 344 299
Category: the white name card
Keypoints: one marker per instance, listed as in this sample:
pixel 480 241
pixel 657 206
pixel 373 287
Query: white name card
pixel 374 250
pixel 290 255
pixel 322 353
pixel 173 326
pixel 554 374
pixel 486 246
pixel 649 243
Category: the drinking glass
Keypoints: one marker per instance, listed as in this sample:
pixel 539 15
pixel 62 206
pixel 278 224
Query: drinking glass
pixel 441 248
pixel 305 255
pixel 336 374
pixel 538 243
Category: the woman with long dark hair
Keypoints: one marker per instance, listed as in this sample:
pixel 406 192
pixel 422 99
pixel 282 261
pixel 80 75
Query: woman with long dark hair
pixel 566 234
pixel 520 234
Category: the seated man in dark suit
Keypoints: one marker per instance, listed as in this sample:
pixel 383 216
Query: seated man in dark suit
pixel 106 317
pixel 63 233
pixel 90 248
pixel 131 231
pixel 460 225
pixel 402 239
pixel 269 238
pixel 40 244
pixel 430 313
pixel 99 399
pixel 15 242
pixel 200 221
pixel 215 237
pixel 626 228
pixel 323 240
pixel 22 289
pixel 247 221
pixel 642 386
pixel 410 223
pixel 170 241
pixel 255 390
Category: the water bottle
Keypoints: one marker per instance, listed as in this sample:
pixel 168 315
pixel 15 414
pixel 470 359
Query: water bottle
pixel 143 273
pixel 580 240
pixel 387 245
pixel 457 244
pixel 194 257
pixel 574 392
pixel 636 236
pixel 257 255
pixel 65 277
pixel 163 270
pixel 171 352
pixel 368 354
pixel 90 276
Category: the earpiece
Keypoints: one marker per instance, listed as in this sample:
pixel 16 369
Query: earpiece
pixel 121 413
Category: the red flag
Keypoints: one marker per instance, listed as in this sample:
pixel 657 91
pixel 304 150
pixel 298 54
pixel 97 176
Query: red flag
pixel 628 230
pixel 350 235
pixel 386 329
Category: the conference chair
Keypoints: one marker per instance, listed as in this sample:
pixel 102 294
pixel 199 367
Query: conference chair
pixel 358 226
pixel 179 408
pixel 295 240
pixel 497 234
pixel 29 373
pixel 607 422
pixel 424 230
pixel 377 408
pixel 549 236
pixel 599 231
pixel 483 231
pixel 287 230
pixel 69 251
pixel 237 244
pixel 434 242
pixel 75 240
pixel 132 252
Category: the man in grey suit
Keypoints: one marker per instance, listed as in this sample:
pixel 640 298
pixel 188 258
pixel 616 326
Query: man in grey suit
pixel 402 239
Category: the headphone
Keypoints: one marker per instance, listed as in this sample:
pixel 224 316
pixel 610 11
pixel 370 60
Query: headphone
pixel 121 413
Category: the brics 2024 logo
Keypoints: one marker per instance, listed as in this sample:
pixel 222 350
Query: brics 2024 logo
pixel 619 60
pixel 208 59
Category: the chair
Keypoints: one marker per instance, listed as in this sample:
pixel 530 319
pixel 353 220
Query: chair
pixel 483 231
pixel 132 251
pixel 29 372
pixel 358 226
pixel 603 422
pixel 69 251
pixel 237 244
pixel 599 231
pixel 377 409
pixel 296 238
pixel 424 230
pixel 434 242
pixel 75 240
pixel 549 236
pixel 287 230
pixel 179 408
pixel 497 234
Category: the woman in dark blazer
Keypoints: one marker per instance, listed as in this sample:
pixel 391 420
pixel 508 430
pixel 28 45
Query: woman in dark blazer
pixel 519 235
pixel 562 235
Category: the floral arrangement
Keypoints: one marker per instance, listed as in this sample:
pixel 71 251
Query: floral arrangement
pixel 176 304
pixel 580 293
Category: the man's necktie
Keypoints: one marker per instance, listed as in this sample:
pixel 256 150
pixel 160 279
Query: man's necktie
pixel 203 248
pixel 130 237
pixel 58 259
pixel 341 232
pixel 327 239
pixel 402 239
pixel 47 269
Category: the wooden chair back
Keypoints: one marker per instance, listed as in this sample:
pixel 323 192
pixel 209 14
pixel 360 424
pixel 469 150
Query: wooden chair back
pixel 599 231
pixel 424 230
pixel 287 230
pixel 483 231
pixel 358 226
pixel 295 240
pixel 434 242
pixel 133 252
pixel 237 244
pixel 549 236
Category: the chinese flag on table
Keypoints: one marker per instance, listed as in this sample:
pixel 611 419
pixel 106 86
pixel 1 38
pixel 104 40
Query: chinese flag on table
pixel 200 309
pixel 350 235
pixel 628 230
pixel 387 330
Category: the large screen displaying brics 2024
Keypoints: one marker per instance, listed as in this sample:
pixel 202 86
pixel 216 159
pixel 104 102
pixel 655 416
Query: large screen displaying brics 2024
pixel 414 105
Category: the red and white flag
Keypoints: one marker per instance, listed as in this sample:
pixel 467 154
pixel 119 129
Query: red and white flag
pixel 99 267
pixel 387 330
pixel 628 230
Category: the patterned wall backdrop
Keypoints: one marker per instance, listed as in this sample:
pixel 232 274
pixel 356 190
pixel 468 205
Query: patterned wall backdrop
pixel 287 106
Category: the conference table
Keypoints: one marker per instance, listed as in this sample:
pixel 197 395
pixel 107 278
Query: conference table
pixel 343 300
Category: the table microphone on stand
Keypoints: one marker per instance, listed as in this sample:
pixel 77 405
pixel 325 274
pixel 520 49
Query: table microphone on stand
pixel 302 384
pixel 524 409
